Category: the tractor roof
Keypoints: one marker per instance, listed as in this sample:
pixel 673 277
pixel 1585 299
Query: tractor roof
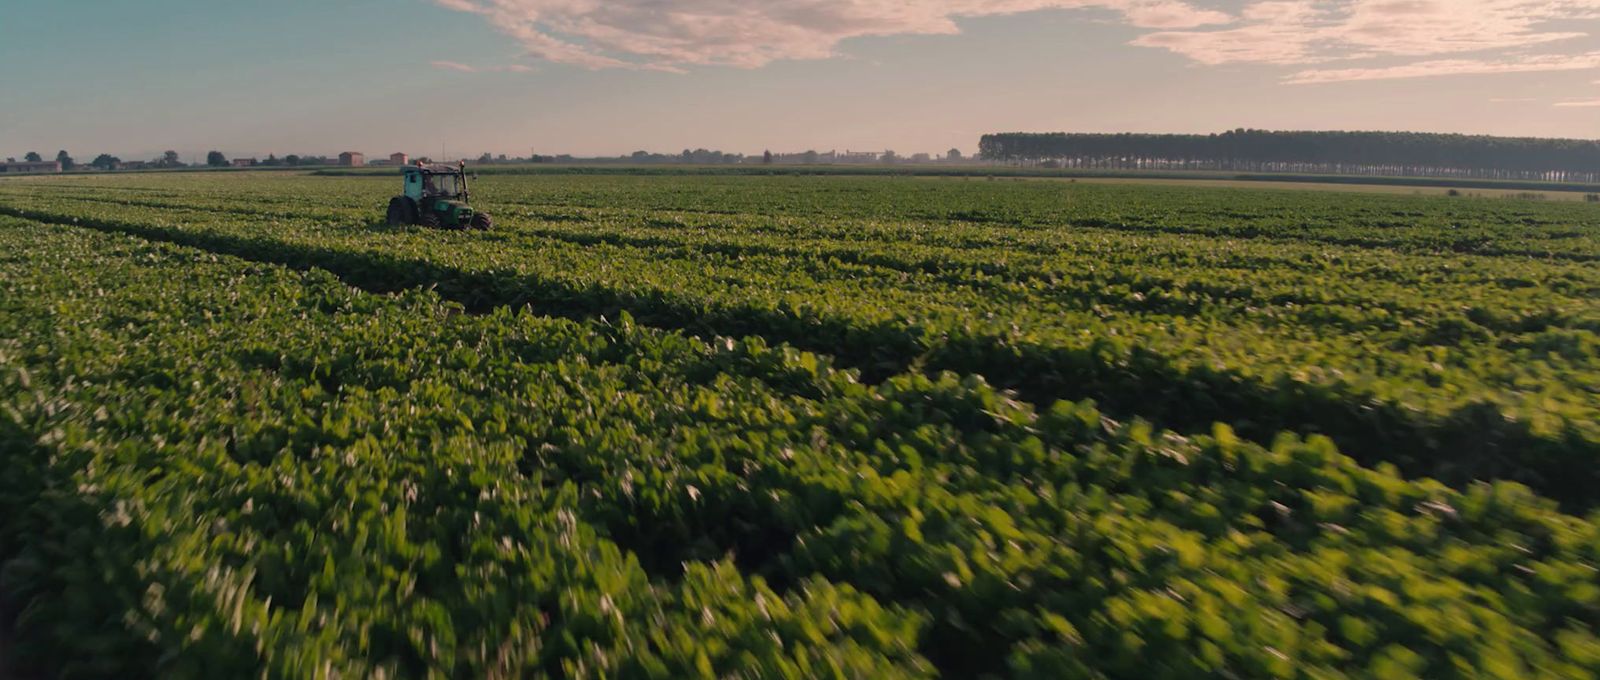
pixel 436 168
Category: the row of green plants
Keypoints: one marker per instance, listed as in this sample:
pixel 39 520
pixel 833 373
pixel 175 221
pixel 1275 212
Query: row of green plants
pixel 1006 250
pixel 1428 224
pixel 1178 275
pixel 221 469
pixel 975 172
pixel 1362 220
pixel 215 467
pixel 1455 366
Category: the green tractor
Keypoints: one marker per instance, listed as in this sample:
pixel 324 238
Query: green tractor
pixel 436 196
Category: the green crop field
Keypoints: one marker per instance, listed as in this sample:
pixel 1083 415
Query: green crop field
pixel 681 425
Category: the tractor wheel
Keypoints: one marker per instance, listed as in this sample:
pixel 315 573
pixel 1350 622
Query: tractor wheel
pixel 398 214
pixel 429 219
pixel 482 222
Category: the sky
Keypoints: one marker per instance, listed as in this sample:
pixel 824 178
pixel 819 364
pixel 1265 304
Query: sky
pixel 458 78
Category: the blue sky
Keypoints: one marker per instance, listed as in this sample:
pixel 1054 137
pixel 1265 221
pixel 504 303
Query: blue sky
pixel 574 76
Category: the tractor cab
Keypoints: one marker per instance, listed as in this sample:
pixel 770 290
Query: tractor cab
pixel 438 181
pixel 435 195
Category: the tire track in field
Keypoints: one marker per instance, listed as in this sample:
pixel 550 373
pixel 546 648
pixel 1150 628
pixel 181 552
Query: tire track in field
pixel 1473 442
pixel 218 210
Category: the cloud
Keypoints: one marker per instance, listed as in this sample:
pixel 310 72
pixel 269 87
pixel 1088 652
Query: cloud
pixel 1451 67
pixel 1289 32
pixel 466 68
pixel 1436 36
pixel 672 34
pixel 1579 103
pixel 453 66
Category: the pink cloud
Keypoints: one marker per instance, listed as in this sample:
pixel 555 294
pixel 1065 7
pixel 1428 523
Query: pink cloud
pixel 672 35
pixel 1313 31
pixel 1586 103
pixel 467 68
pixel 454 66
pixel 652 34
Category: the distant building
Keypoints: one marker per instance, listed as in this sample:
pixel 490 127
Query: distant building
pixel 25 166
pixel 399 158
pixel 352 159
pixel 244 162
pixel 133 165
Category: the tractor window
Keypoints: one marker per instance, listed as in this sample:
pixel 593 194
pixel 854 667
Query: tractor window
pixel 443 185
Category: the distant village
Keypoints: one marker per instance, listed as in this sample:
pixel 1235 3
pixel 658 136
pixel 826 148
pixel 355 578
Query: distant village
pixel 33 163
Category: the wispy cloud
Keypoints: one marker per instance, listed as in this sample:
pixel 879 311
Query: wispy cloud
pixel 1579 103
pixel 1451 67
pixel 467 68
pixel 671 35
pixel 652 34
pixel 1315 31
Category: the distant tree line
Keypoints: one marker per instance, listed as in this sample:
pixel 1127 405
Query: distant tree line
pixel 170 159
pixel 698 156
pixel 701 156
pixel 216 159
pixel 1363 153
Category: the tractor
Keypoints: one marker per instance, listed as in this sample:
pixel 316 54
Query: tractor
pixel 436 196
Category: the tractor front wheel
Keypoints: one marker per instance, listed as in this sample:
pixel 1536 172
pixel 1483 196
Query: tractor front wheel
pixel 401 212
pixel 481 222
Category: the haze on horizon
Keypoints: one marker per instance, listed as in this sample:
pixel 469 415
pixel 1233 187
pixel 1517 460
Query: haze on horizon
pixel 573 76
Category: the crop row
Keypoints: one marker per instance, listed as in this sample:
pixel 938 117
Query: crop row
pixel 991 172
pixel 215 466
pixel 1458 370
pixel 1154 274
pixel 1362 221
pixel 1403 222
pixel 1181 274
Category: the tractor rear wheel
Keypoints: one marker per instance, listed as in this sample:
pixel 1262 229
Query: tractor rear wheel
pixel 401 212
pixel 481 222
pixel 429 219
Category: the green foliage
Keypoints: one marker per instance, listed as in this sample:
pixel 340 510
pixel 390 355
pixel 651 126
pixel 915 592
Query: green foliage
pixel 216 467
pixel 1461 334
